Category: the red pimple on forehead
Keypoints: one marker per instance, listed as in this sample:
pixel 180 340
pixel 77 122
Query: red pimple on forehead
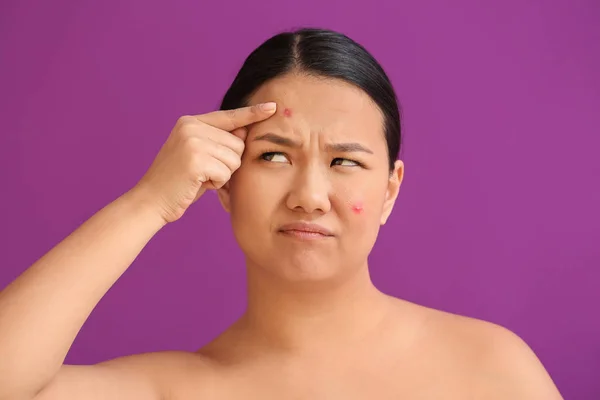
pixel 287 112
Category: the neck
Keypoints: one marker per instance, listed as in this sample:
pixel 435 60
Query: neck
pixel 309 315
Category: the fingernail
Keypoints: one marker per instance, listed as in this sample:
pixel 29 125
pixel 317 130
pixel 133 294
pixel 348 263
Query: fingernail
pixel 268 106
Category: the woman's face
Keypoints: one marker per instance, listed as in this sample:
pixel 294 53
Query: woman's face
pixel 321 159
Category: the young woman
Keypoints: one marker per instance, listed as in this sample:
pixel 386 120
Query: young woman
pixel 303 156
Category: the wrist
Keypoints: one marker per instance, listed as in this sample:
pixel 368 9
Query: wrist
pixel 141 201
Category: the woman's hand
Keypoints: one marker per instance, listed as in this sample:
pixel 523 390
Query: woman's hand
pixel 202 152
pixel 59 291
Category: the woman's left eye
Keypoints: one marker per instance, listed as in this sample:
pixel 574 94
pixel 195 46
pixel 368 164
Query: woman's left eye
pixel 344 162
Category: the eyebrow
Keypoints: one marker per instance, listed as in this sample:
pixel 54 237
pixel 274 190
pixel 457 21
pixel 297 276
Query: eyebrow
pixel 336 147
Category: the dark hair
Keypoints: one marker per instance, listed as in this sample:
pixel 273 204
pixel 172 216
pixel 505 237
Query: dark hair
pixel 323 53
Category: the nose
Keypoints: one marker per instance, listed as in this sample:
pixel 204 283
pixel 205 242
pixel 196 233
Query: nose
pixel 310 191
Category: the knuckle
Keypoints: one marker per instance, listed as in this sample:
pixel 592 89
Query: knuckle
pixel 214 149
pixel 192 144
pixel 195 151
pixel 232 113
pixel 203 171
pixel 187 129
pixel 189 125
pixel 201 177
pixel 184 120
pixel 238 145
pixel 223 172
pixel 231 116
pixel 220 183
pixel 238 162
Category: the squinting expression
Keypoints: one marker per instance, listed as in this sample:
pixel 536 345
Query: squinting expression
pixel 314 185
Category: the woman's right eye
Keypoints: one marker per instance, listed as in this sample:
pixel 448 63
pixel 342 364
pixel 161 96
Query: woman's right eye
pixel 274 156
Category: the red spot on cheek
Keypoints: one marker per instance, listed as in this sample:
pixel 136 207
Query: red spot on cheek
pixel 357 208
pixel 287 112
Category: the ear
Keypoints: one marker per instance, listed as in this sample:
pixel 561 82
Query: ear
pixel 224 197
pixel 393 189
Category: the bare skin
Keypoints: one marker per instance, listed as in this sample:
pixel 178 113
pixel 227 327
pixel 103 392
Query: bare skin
pixel 315 327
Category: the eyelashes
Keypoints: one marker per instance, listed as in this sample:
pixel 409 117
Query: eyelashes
pixel 270 155
pixel 354 163
pixel 279 157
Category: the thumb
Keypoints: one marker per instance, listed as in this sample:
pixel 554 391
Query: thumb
pixel 242 133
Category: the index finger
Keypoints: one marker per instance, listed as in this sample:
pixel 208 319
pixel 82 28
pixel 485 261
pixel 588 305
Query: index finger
pixel 229 120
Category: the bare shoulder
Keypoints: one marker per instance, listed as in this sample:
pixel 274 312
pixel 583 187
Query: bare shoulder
pixel 501 363
pixel 172 372
pixel 159 376
pixel 160 364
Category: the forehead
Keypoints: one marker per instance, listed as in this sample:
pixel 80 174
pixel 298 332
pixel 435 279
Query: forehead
pixel 321 104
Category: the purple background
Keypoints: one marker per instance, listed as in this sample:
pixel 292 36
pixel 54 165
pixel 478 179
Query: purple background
pixel 497 218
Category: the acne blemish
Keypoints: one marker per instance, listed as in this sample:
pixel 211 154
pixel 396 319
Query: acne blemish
pixel 287 112
pixel 357 208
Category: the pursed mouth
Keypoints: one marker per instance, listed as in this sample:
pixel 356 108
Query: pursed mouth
pixel 304 235
pixel 305 230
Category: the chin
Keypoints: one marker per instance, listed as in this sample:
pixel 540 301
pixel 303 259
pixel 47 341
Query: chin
pixel 307 272
pixel 302 269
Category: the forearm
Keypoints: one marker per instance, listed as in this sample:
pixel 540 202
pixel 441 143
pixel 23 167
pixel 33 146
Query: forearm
pixel 42 311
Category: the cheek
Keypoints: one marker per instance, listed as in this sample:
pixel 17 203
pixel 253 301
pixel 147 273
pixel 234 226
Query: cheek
pixel 253 194
pixel 360 202
pixel 240 190
pixel 351 201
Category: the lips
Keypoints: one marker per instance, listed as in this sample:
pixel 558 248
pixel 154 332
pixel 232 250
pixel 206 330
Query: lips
pixel 305 230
